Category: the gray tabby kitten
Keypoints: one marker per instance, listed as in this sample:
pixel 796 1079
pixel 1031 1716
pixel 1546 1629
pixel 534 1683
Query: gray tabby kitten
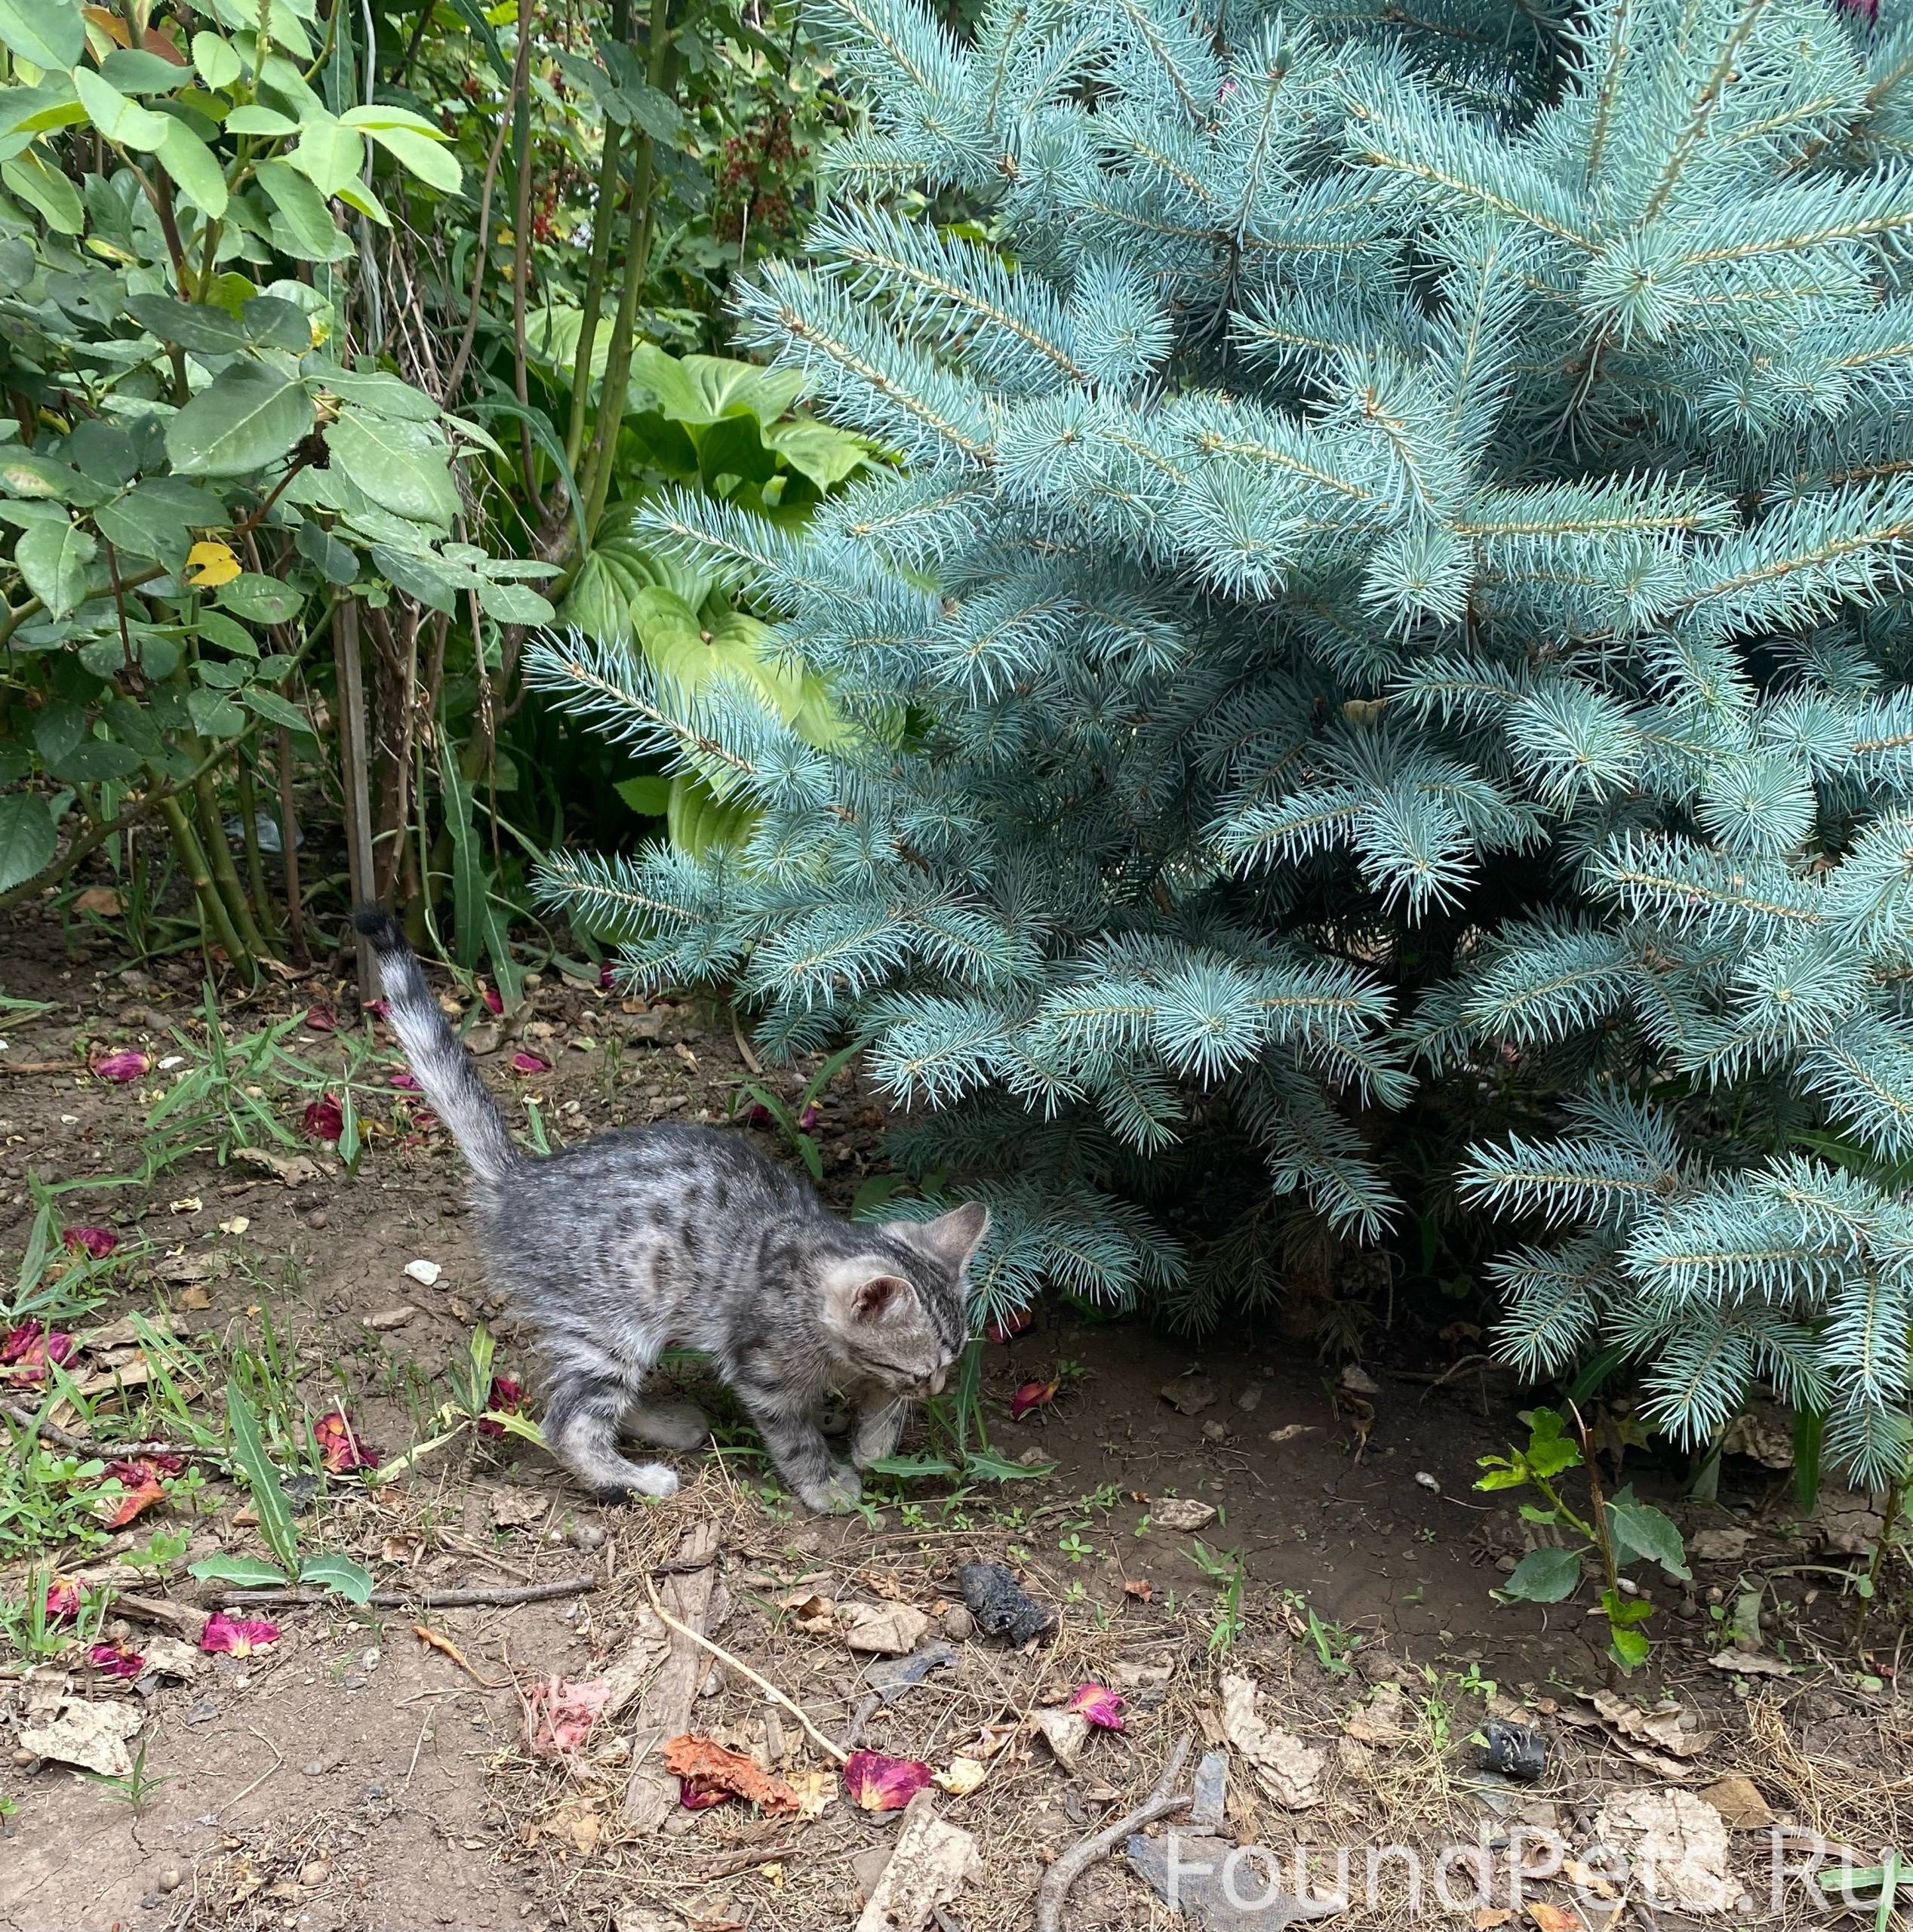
pixel 685 1237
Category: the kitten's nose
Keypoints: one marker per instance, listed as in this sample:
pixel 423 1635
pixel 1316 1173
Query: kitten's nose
pixel 937 1380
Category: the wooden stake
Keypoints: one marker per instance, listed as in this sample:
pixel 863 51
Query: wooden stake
pixel 355 764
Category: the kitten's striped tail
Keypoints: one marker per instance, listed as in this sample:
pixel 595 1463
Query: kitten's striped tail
pixel 435 1055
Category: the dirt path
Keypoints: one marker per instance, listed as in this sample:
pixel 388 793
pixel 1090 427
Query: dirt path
pixel 356 1773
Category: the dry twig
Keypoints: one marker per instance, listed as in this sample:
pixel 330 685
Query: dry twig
pixel 1053 1893
pixel 484 1598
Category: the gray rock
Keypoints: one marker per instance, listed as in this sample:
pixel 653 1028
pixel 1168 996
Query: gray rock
pixel 1195 1885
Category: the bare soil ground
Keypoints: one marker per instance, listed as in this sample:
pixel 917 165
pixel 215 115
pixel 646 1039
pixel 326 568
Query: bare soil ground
pixel 375 1767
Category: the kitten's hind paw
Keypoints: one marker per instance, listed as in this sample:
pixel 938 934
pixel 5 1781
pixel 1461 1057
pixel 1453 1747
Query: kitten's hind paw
pixel 670 1425
pixel 843 1491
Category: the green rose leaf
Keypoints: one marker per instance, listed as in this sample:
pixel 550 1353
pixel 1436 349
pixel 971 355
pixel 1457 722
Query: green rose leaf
pixel 417 155
pixel 214 716
pixel 195 172
pixel 216 59
pixel 250 415
pixel 1544 1575
pixel 119 119
pixel 27 831
pixel 401 466
pixel 47 191
pixel 53 558
pixel 305 227
pixel 47 32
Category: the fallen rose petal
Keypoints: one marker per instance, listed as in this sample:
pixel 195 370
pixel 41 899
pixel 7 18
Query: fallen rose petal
pixel 321 1019
pixel 878 1783
pixel 32 1350
pixel 505 1397
pixel 1031 1395
pixel 1010 1326
pixel 129 1063
pixel 1100 1704
pixel 493 1001
pixel 98 1242
pixel 560 1712
pixel 377 1008
pixel 711 1771
pixel 405 1082
pixel 343 1450
pixel 115 1660
pixel 425 1120
pixel 141 1481
pixel 324 1119
pixel 808 1118
pixel 237 1636
pixel 523 1062
pixel 605 979
pixel 63 1601
pixel 760 1115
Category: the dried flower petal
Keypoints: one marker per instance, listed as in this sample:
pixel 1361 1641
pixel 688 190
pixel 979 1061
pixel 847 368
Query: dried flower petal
pixel 1100 1704
pixel 377 1008
pixel 493 1002
pixel 129 1063
pixel 1032 1395
pixel 115 1660
pixel 343 1450
pixel 98 1242
pixel 809 1117
pixel 321 1019
pixel 237 1636
pixel 760 1115
pixel 525 1061
pixel 405 1082
pixel 711 1771
pixel 63 1601
pixel 32 1350
pixel 1010 1327
pixel 878 1783
pixel 605 979
pixel 561 1710
pixel 506 1397
pixel 141 1479
pixel 324 1119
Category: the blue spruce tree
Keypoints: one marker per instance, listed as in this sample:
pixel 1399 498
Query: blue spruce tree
pixel 1391 570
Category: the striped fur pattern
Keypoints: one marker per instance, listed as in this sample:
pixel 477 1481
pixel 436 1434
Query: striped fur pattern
pixel 657 1238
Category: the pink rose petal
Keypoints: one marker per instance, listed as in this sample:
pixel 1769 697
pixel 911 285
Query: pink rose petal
pixel 1032 1395
pixel 63 1601
pixel 524 1061
pixel 493 1002
pixel 33 1350
pixel 343 1450
pixel 324 1119
pixel 378 1008
pixel 98 1242
pixel 504 1397
pixel 321 1019
pixel 405 1083
pixel 878 1783
pixel 605 978
pixel 1010 1326
pixel 115 1660
pixel 808 1118
pixel 1100 1704
pixel 129 1063
pixel 142 1483
pixel 237 1636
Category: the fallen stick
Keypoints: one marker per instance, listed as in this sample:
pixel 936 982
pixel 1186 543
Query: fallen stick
pixel 42 1066
pixel 487 1598
pixel 109 1452
pixel 1053 1893
pixel 744 1670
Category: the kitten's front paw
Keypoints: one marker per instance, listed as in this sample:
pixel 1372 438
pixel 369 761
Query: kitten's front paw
pixel 843 1491
pixel 650 1482
pixel 877 1438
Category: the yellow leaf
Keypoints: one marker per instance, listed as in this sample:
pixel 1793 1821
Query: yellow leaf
pixel 209 565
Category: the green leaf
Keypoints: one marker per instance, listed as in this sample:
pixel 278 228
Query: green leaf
pixel 329 154
pixel 514 604
pixel 249 417
pixel 269 1499
pixel 649 796
pixel 134 70
pixel 254 119
pixel 305 228
pixel 1544 1575
pixel 373 390
pixel 260 599
pixel 404 467
pixel 333 1572
pixel 198 326
pixel 1549 1452
pixel 58 728
pixel 53 558
pixel 1639 1529
pixel 707 389
pixel 195 172
pixel 94 759
pixel 825 455
pixel 27 473
pixel 275 709
pixel 217 60
pixel 1810 1429
pixel 46 190
pixel 274 323
pixel 247 1571
pixel 28 837
pixel 432 163
pixel 50 33
pixel 337 562
pixel 119 119
pixel 1629 1647
pixel 214 716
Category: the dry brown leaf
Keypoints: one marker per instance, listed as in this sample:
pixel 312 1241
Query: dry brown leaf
pixel 815 1615
pixel 1674 1841
pixel 1750 1663
pixel 1286 1768
pixel 1738 1800
pixel 1066 1732
pixel 1490 1917
pixel 1381 1719
pixel 709 1766
pixel 1587 1879
pixel 1553 1918
pixel 294 1170
pixel 890 1630
pixel 1663 1729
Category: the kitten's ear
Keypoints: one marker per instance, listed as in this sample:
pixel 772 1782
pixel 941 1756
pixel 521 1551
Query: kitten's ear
pixel 952 1238
pixel 873 1297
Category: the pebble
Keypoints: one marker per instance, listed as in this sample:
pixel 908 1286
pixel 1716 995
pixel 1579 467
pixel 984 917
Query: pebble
pixel 315 1873
pixel 958 1625
pixel 376 1790
pixel 1215 1431
pixel 355 1682
pixel 317 1219
pixel 314 1770
pixel 585 1535
pixel 22 1757
pixel 170 1879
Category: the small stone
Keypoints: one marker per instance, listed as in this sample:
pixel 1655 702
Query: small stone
pixel 202 1710
pixel 1251 1398
pixel 22 1757
pixel 316 1873
pixel 170 1879
pixel 1215 1431
pixel 375 1791
pixel 317 1219
pixel 958 1625
pixel 370 1659
pixel 425 1273
pixel 314 1770
pixel 1506 1565
pixel 585 1535
pixel 355 1682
